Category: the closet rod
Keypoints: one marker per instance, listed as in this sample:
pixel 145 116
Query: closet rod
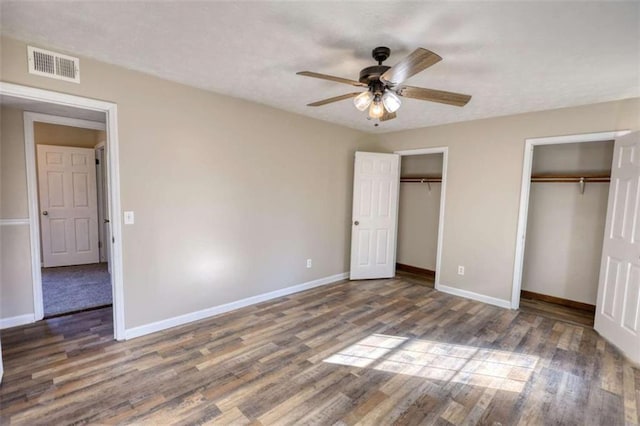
pixel 420 179
pixel 560 179
pixel 581 180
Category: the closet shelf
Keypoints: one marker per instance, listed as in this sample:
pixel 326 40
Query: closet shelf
pixel 421 179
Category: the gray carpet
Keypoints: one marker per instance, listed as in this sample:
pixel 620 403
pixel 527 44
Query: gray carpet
pixel 74 288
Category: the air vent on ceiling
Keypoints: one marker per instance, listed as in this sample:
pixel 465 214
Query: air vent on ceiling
pixel 54 65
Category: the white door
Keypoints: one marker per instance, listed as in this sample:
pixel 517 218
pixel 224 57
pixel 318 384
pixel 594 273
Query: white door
pixel 618 305
pixel 68 205
pixel 375 215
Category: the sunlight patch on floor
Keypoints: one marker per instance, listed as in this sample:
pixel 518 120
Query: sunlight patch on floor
pixel 470 365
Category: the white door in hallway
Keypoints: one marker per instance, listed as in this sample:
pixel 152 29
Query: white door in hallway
pixel 618 303
pixel 68 205
pixel 375 215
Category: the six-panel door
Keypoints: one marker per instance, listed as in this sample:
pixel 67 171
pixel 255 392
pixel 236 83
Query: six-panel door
pixel 618 304
pixel 374 222
pixel 68 205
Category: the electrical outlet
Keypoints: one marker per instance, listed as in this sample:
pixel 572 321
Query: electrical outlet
pixel 460 270
pixel 309 263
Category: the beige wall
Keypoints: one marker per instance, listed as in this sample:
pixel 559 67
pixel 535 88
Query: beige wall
pixel 421 165
pixel 418 212
pixel 573 158
pixel 230 197
pixel 54 134
pixel 13 178
pixel 483 183
pixel 564 240
pixel 16 294
pixel 565 228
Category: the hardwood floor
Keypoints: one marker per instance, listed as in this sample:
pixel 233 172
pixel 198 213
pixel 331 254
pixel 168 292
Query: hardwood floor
pixel 557 312
pixel 367 352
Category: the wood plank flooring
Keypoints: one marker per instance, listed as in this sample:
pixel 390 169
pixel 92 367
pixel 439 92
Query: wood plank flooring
pixel 367 352
pixel 557 312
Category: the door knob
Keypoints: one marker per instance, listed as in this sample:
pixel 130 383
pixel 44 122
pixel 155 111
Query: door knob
pixel 356 223
pixel 45 213
pixel 106 221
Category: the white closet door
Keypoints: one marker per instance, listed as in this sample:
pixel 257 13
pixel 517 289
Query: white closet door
pixel 618 304
pixel 68 205
pixel 375 215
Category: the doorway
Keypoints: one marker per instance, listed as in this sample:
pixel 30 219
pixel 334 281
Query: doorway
pixel 566 220
pixel 421 212
pixel 45 104
pixel 75 275
pixel 526 192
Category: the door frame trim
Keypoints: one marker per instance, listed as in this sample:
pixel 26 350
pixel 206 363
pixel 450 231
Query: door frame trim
pixel 111 113
pixel 444 150
pixel 101 155
pixel 523 210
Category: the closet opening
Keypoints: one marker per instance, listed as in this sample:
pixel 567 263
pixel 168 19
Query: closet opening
pixel 419 215
pixel 567 209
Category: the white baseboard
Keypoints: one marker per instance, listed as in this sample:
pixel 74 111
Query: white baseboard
pixel 16 321
pixel 474 296
pixel 220 309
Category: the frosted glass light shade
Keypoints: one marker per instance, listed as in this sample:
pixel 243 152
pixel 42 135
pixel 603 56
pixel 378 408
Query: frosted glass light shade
pixel 376 110
pixel 391 101
pixel 363 100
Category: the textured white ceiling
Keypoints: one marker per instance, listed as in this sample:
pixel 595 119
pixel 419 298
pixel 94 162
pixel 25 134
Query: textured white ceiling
pixel 511 56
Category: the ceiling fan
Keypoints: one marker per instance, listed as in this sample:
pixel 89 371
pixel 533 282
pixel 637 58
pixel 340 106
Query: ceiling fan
pixel 384 84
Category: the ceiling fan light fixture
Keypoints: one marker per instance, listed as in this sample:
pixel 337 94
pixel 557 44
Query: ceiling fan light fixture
pixel 363 100
pixel 391 101
pixel 385 85
pixel 376 110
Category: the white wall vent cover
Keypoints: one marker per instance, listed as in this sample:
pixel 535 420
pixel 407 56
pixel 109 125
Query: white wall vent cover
pixel 53 65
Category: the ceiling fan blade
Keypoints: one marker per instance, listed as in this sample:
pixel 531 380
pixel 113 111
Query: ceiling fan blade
pixel 331 78
pixel 419 60
pixel 388 116
pixel 334 99
pixel 450 98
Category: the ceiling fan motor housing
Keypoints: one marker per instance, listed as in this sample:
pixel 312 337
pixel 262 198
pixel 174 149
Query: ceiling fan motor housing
pixel 372 74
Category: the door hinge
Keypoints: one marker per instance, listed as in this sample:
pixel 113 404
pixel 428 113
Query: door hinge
pixel 99 244
pixel 97 161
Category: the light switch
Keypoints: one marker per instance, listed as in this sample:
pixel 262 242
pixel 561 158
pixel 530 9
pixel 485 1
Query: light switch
pixel 128 218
